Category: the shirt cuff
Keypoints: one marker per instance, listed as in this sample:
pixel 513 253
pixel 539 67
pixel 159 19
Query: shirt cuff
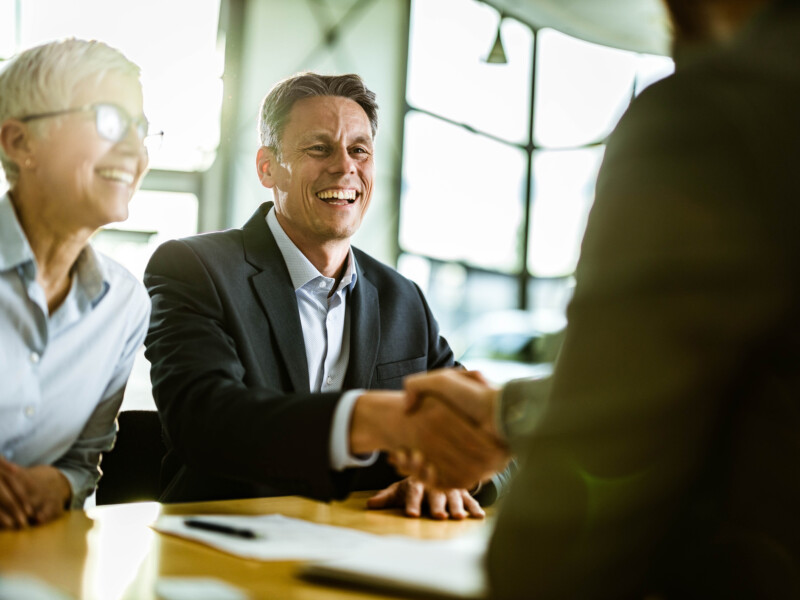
pixel 520 406
pixel 81 483
pixel 340 435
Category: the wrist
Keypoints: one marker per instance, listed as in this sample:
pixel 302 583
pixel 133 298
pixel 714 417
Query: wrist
pixel 57 482
pixel 492 422
pixel 65 489
pixel 375 415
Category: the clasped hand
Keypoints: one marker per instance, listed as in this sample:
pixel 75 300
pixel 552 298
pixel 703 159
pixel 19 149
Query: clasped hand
pixel 446 442
pixel 453 441
pixel 30 496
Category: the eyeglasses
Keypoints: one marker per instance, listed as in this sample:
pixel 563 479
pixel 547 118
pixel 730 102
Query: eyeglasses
pixel 112 122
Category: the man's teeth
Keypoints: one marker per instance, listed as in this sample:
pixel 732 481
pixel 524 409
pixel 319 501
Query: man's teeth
pixel 117 175
pixel 347 195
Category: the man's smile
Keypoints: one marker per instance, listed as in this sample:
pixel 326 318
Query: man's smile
pixel 338 196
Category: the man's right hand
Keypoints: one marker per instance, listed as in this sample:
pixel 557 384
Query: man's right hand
pixel 466 392
pixel 439 440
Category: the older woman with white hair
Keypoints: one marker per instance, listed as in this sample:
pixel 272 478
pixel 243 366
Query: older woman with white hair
pixel 71 319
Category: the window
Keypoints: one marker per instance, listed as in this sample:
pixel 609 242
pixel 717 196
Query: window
pixel 447 75
pixel 471 183
pixel 500 160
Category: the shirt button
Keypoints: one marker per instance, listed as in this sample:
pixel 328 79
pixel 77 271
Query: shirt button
pixel 35 357
pixel 30 411
pixel 323 284
pixel 329 380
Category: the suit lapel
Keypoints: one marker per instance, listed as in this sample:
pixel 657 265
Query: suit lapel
pixel 275 292
pixel 365 332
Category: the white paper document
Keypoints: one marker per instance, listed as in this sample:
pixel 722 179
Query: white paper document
pixel 450 568
pixel 276 537
pixel 447 569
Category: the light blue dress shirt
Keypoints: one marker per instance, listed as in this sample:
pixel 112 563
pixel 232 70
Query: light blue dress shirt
pixel 62 376
pixel 326 334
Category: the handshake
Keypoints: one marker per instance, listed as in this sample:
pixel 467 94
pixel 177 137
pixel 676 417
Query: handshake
pixel 441 431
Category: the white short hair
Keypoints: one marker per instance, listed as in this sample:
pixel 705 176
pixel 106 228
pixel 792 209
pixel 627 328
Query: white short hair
pixel 44 79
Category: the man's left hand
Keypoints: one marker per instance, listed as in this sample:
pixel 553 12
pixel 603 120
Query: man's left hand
pixel 410 494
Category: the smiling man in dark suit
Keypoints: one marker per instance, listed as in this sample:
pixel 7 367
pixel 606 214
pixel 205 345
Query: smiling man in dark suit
pixel 257 331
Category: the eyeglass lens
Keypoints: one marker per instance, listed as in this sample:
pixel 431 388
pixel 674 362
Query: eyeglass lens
pixel 113 123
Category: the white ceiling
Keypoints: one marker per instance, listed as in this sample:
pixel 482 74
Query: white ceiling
pixel 638 25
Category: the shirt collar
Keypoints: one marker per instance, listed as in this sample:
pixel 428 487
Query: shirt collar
pixel 300 268
pixel 15 252
pixel 92 274
pixel 14 248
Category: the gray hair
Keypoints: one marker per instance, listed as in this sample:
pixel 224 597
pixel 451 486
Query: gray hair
pixel 278 103
pixel 44 79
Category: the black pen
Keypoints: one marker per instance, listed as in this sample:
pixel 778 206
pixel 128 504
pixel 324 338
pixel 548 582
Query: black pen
pixel 219 528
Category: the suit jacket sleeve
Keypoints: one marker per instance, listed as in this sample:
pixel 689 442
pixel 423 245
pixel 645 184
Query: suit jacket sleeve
pixel 678 288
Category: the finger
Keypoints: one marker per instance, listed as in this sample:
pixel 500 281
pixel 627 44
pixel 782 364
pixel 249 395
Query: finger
pixel 17 488
pixel 428 476
pixel 401 461
pixel 453 455
pixel 415 492
pixel 477 376
pixel 6 521
pixel 10 505
pixel 455 505
pixel 8 467
pixel 403 465
pixel 462 393
pixel 416 461
pixel 50 512
pixel 472 505
pixel 384 498
pixel 437 504
pixel 461 452
pixel 416 386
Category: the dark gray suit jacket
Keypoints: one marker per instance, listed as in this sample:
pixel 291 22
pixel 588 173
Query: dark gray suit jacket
pixel 229 370
pixel 666 462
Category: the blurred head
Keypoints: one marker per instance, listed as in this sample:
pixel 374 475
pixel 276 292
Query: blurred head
pixel 317 155
pixel 89 158
pixel 710 20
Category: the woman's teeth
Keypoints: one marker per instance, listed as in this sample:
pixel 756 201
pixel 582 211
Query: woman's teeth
pixel 117 175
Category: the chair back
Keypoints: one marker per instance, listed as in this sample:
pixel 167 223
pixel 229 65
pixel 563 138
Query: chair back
pixel 132 469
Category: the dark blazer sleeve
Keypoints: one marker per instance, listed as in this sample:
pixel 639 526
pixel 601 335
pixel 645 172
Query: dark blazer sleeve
pixel 219 418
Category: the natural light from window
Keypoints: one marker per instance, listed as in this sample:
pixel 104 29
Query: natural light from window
pixel 462 195
pixel 449 40
pixel 181 61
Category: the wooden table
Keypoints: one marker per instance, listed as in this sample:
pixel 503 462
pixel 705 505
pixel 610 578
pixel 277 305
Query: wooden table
pixel 110 552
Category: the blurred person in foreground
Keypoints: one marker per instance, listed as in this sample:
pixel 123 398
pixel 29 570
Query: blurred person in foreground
pixel 71 320
pixel 661 459
pixel 265 340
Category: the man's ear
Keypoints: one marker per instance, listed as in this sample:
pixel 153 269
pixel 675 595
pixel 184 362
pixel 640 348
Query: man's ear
pixel 15 138
pixel 265 161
